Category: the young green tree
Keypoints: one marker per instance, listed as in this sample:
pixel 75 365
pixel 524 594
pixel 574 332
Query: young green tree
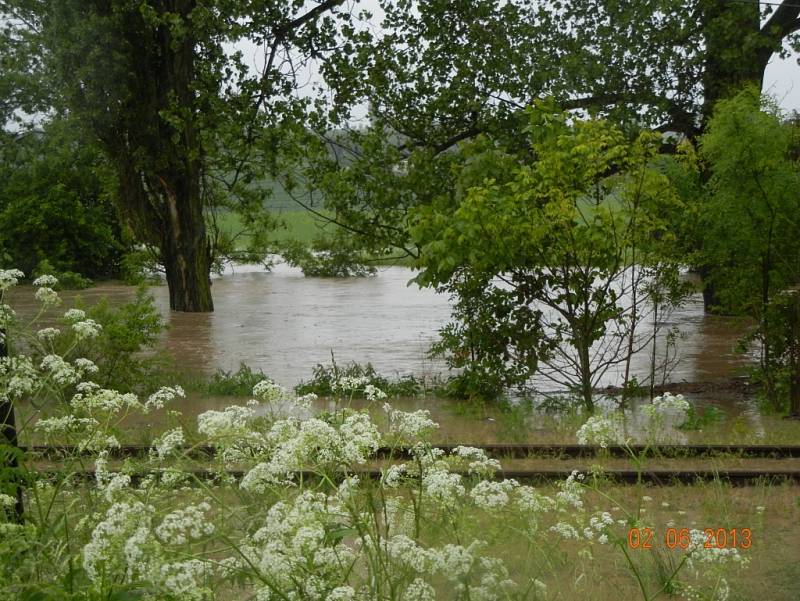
pixel 571 239
pixel 751 221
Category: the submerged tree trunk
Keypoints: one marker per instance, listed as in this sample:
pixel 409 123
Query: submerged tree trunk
pixel 586 377
pixel 186 254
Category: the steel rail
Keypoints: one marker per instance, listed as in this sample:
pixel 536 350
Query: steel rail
pixel 500 450
pixel 656 477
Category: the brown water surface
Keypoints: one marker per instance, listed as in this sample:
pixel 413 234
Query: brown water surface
pixel 284 323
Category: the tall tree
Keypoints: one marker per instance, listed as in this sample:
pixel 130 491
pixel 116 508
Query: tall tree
pixel 750 224
pixel 440 73
pixel 183 119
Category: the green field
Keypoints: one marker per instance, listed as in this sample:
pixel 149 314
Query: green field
pixel 295 225
pixel 299 225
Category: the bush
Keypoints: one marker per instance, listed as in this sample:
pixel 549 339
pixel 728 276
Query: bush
pixel 326 259
pixel 238 383
pixel 325 377
pixel 55 204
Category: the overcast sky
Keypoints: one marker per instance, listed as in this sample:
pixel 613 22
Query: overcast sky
pixel 781 78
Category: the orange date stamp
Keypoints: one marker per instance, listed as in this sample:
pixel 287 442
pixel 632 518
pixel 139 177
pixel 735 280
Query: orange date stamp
pixel 682 538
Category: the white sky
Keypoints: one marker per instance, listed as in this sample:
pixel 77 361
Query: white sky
pixel 781 78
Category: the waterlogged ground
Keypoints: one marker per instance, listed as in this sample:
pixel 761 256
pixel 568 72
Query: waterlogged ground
pixel 284 323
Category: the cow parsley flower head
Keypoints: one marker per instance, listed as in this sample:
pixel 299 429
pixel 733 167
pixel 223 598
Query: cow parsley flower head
pixel 59 370
pixel 87 328
pixel 598 430
pixel 443 487
pixel 373 393
pixel 183 525
pixel 48 334
pixel 45 280
pixel 162 396
pixel 48 297
pixel 9 278
pixel 168 442
pixel 490 495
pixel 7 314
pixel 230 423
pixel 670 401
pixel 478 462
pixel 419 590
pixel 410 425
pixel 74 315
pixel 19 376
pixel 349 383
pixel 269 392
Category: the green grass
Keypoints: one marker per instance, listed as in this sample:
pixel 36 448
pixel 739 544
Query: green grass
pixel 296 225
pixel 299 225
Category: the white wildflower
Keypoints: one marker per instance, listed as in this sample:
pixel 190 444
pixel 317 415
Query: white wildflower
pixel 443 487
pixel 529 500
pixel 85 366
pixel 168 442
pixel 104 556
pixel 162 396
pixel 88 328
pixel 393 476
pixel 48 297
pixel 183 525
pixel 419 590
pixel 9 278
pixel 46 280
pixel 269 392
pixel 7 314
pixel 598 430
pixel 62 372
pixel 349 383
pixel 479 462
pixel 230 423
pixel 181 578
pixel 74 315
pixel 18 376
pixel 565 530
pixel 373 393
pixel 91 398
pixel 410 425
pixel 492 495
pixel 342 593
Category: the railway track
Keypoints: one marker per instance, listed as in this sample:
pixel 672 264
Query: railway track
pixel 497 450
pixel 659 477
pixel 709 464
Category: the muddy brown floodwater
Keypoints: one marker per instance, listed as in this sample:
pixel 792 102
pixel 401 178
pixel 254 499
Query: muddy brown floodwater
pixel 284 323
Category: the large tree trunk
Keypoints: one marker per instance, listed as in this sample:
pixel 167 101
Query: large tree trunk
pixel 186 254
pixel 738 47
pixel 731 30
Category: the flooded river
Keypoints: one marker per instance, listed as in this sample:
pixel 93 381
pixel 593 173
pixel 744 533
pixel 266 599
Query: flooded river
pixel 284 323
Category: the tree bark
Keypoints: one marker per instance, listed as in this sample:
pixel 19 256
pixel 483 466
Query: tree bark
pixel 738 48
pixel 186 253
